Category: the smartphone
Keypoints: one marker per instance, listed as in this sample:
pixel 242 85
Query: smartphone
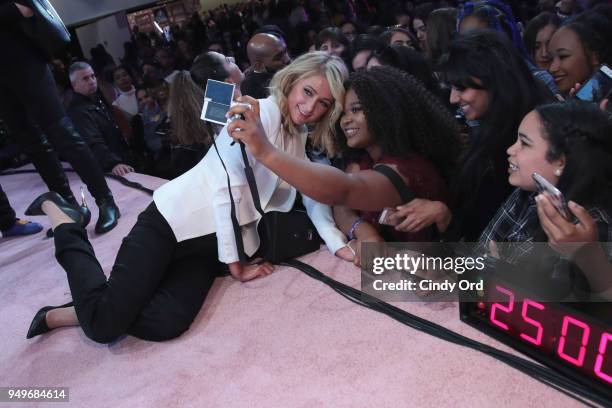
pixel 384 217
pixel 217 101
pixel 598 87
pixel 556 197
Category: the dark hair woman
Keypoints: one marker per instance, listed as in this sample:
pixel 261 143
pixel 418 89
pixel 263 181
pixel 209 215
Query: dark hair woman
pixel 400 36
pixel 441 30
pixel 492 85
pixel 580 46
pixel 569 145
pixel 537 36
pixel 392 119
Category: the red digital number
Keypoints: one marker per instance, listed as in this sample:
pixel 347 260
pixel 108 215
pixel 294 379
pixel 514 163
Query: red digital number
pixel 603 344
pixel 507 309
pixel 538 338
pixel 586 331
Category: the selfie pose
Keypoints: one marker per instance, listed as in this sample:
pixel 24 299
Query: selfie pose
pixel 420 145
pixel 183 240
pixel 417 145
pixel 569 146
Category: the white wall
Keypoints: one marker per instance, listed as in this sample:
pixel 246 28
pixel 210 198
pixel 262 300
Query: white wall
pixel 111 32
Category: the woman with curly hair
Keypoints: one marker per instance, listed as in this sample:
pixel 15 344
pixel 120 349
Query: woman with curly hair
pixel 569 145
pixel 389 119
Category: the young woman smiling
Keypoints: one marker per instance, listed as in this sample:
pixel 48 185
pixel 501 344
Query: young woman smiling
pixel 420 144
pixel 491 84
pixel 569 145
pixel 580 46
pixel 391 119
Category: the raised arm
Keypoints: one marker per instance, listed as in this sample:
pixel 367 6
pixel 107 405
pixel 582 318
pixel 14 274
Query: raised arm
pixel 365 190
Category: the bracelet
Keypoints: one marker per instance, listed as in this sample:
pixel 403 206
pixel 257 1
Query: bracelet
pixel 351 233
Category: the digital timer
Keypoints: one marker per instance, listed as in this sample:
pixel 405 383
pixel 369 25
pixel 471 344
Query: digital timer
pixel 564 336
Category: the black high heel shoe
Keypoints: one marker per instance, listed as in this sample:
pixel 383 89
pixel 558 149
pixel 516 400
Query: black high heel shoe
pixel 39 323
pixel 83 208
pixel 36 207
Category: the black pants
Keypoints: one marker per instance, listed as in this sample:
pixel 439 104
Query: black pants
pixel 7 214
pixel 33 113
pixel 155 289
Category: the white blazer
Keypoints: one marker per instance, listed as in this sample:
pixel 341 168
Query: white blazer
pixel 198 203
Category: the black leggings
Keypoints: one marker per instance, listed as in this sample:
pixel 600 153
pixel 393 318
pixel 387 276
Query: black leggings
pixel 34 115
pixel 155 289
pixel 7 214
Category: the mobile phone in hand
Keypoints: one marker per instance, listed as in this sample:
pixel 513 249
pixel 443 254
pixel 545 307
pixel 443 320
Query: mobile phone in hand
pixel 384 217
pixel 217 101
pixel 598 87
pixel 556 197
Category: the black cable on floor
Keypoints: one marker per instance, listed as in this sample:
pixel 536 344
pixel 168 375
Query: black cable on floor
pixel 541 373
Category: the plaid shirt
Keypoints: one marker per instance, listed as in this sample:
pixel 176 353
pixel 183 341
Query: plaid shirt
pixel 516 223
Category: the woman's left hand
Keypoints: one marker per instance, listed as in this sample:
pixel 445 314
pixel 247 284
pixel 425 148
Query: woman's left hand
pixel 249 130
pixel 564 236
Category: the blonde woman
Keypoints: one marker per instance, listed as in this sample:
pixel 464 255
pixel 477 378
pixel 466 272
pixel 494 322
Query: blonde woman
pixel 167 263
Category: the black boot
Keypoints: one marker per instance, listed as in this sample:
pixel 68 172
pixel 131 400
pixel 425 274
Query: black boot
pixel 71 147
pixel 46 162
pixel 108 215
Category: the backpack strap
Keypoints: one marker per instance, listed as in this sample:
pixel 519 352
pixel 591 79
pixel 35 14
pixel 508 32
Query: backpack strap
pixel 402 189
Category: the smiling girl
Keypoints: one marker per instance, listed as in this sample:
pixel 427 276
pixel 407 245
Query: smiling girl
pixel 569 145
pixel 580 46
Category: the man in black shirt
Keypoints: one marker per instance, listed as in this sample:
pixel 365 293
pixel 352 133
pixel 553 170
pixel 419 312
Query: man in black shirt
pixel 267 54
pixel 94 121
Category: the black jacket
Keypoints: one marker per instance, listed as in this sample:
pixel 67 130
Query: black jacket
pixel 12 40
pixel 98 128
pixel 9 13
pixel 255 84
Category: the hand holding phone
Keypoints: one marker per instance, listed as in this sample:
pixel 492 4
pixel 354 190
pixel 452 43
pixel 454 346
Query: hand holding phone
pixel 385 215
pixel 556 197
pixel 217 101
pixel 598 87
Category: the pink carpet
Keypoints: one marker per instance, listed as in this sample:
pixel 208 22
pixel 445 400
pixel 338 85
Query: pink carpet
pixel 284 340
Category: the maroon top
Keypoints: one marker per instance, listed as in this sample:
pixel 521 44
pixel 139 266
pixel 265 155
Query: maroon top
pixel 422 178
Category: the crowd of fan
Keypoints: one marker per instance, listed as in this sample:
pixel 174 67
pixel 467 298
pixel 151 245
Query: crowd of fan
pixel 461 104
pixel 134 93
pixel 141 112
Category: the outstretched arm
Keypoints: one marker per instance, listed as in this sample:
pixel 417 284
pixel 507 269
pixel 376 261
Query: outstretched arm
pixel 365 190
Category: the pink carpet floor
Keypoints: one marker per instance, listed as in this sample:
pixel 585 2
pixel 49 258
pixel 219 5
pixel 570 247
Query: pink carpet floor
pixel 282 341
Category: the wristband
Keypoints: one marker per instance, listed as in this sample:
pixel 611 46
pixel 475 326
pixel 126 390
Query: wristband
pixel 351 233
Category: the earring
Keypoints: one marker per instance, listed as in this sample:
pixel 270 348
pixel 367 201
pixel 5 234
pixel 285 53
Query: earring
pixel 558 172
